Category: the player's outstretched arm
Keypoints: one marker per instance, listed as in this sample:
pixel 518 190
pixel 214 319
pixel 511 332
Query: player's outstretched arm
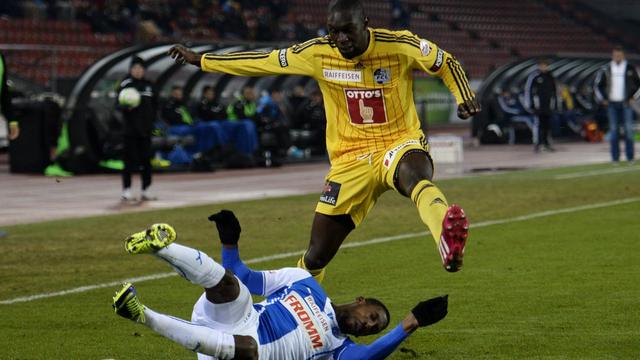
pixel 433 60
pixel 424 314
pixel 229 231
pixel 183 55
pixel 455 78
pixel 248 63
pixel 262 283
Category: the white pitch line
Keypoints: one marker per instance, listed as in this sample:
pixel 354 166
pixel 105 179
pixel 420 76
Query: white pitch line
pixel 379 240
pixel 596 172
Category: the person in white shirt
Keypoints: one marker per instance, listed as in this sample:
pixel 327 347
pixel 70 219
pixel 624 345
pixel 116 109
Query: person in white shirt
pixel 616 85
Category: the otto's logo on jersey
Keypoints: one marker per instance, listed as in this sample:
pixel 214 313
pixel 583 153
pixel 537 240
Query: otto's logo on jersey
pixel 366 106
pixel 382 75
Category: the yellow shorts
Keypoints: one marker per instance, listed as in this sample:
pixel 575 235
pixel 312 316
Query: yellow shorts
pixel 354 187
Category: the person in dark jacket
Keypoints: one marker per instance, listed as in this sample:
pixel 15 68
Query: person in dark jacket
pixel 5 110
pixel 540 96
pixel 5 102
pixel 209 109
pixel 174 111
pixel 138 126
pixel 616 85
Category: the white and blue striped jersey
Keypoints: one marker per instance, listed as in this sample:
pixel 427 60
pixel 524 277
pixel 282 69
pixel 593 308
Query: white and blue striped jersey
pixel 297 320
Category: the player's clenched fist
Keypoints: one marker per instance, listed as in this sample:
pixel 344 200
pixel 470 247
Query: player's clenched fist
pixel 469 108
pixel 228 226
pixel 431 311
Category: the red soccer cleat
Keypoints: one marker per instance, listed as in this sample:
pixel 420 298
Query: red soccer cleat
pixel 455 229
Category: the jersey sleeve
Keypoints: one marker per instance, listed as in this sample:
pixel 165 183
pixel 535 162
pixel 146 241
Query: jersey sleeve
pixel 433 60
pixel 379 349
pixel 286 61
pixel 263 283
pixel 277 279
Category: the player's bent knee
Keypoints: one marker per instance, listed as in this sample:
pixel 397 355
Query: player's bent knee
pixel 227 290
pixel 413 168
pixel 246 348
pixel 316 259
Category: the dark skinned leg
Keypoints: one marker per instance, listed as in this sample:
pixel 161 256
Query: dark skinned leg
pixel 227 290
pixel 327 234
pixel 412 168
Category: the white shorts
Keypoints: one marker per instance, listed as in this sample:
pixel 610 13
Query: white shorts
pixel 236 318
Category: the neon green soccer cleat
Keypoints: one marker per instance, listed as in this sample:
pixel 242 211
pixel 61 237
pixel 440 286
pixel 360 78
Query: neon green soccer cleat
pixel 153 239
pixel 127 304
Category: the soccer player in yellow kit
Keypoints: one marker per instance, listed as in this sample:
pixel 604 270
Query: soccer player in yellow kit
pixel 374 138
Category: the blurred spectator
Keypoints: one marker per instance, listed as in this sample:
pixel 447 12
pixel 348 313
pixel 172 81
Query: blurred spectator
pixel 209 108
pixel 174 112
pixel 244 107
pixel 310 114
pixel 5 110
pixel 138 127
pixel 311 117
pixel 616 85
pixel 567 111
pixel 242 118
pixel 541 98
pixel 273 126
pixel 13 128
pixel 296 99
pixel 510 113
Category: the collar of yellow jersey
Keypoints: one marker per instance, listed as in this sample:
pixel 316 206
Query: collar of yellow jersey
pixel 370 47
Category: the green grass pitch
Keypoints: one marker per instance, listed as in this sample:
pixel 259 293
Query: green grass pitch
pixel 557 285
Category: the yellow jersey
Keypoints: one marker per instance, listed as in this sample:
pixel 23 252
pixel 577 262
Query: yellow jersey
pixel 368 99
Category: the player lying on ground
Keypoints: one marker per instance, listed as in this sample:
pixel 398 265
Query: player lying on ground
pixel 374 139
pixel 296 320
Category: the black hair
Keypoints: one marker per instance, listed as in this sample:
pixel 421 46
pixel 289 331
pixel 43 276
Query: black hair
pixel 206 88
pixel 373 301
pixel 136 60
pixel 347 5
pixel 618 48
pixel 176 87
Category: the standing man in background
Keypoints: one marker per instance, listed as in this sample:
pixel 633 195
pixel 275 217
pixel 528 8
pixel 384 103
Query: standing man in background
pixel 5 102
pixel 138 125
pixel 616 85
pixel 540 96
pixel 5 109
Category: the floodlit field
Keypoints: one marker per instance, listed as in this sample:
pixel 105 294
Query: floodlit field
pixel 551 271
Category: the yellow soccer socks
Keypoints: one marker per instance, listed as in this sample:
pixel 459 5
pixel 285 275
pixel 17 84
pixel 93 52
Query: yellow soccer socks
pixel 317 274
pixel 432 206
